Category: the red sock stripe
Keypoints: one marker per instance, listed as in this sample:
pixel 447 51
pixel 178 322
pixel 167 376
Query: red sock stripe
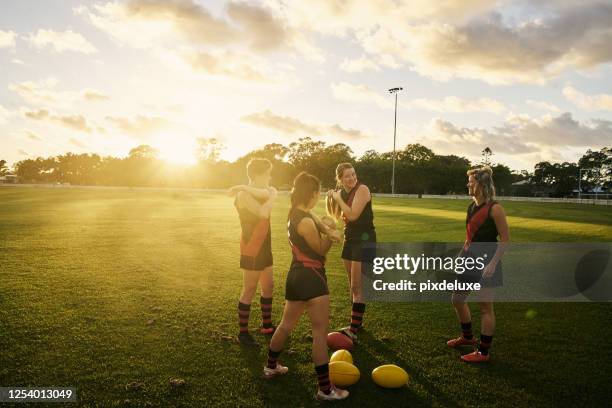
pixel 485 345
pixel 244 312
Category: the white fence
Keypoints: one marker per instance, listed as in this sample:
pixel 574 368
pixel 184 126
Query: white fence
pixel 591 201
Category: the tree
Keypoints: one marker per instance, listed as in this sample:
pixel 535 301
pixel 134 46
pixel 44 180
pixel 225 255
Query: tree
pixel 209 149
pixel 143 152
pixel 598 166
pixel 503 179
pixel 486 155
pixel 3 168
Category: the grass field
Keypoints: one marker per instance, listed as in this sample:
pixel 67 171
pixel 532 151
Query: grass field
pixel 101 288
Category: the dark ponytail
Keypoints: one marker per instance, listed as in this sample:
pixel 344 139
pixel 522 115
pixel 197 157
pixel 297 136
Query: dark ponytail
pixel 304 186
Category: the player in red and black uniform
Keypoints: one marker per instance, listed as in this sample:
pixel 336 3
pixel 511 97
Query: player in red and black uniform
pixel 485 221
pixel 254 205
pixel 352 200
pixel 306 286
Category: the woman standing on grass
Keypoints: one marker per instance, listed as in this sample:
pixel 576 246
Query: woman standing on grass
pixel 353 202
pixel 485 221
pixel 306 287
pixel 254 205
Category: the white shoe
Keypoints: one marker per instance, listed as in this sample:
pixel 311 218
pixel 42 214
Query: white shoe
pixel 336 394
pixel 273 372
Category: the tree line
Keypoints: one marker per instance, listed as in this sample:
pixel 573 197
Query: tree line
pixel 418 170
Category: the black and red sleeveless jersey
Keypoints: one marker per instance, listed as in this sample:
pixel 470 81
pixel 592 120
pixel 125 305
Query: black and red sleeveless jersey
pixel 479 225
pixel 303 254
pixel 256 235
pixel 355 230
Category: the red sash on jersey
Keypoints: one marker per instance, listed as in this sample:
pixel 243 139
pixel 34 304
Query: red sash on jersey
pixel 301 257
pixel 349 200
pixel 253 246
pixel 475 222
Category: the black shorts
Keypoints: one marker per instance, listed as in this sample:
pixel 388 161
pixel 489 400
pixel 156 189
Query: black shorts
pixel 258 262
pixel 357 250
pixel 475 276
pixel 304 283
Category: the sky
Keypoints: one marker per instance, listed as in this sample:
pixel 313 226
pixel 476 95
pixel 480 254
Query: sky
pixel 532 80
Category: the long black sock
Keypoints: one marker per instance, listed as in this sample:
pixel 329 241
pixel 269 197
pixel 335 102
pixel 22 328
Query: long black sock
pixel 323 377
pixel 266 312
pixel 485 344
pixel 466 330
pixel 272 357
pixel 244 311
pixel 357 316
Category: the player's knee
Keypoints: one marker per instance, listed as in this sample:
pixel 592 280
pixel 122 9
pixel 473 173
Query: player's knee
pixel 486 308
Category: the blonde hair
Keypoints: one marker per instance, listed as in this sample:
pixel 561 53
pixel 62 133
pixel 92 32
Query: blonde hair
pixel 332 207
pixel 484 178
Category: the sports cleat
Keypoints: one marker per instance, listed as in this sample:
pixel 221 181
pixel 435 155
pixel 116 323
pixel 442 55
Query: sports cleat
pixel 348 333
pixel 267 330
pixel 246 339
pixel 335 394
pixel 269 373
pixel 461 341
pixel 475 357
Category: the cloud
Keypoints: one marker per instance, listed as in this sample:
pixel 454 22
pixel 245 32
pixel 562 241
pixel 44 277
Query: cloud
pixel 22 152
pixel 290 126
pixel 491 41
pixel 41 92
pixel 139 126
pixel 203 40
pixel 7 39
pixel 601 102
pixel 61 41
pixel 45 92
pixel 454 104
pixel 75 122
pixel 450 104
pixel 225 63
pixel 519 135
pixel 348 92
pixel 94 95
pixel 39 114
pixel 543 106
pixel 360 64
pixel 4 114
pixel 283 124
pixel 31 135
pixel 77 143
pixel 17 61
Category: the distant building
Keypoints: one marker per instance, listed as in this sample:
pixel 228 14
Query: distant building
pixel 8 179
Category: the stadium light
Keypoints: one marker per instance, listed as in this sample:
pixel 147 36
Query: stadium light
pixel 394 91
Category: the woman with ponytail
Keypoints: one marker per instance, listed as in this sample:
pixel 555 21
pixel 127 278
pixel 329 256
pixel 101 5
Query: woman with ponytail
pixel 306 286
pixel 485 221
pixel 352 202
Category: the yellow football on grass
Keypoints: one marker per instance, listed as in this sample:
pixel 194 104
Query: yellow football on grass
pixel 342 373
pixel 389 376
pixel 341 355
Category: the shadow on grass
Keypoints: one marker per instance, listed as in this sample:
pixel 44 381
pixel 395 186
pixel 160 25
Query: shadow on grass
pixel 367 354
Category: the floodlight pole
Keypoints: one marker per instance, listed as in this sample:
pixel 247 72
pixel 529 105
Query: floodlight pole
pixel 394 91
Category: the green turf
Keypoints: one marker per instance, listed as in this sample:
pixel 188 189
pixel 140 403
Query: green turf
pixel 100 288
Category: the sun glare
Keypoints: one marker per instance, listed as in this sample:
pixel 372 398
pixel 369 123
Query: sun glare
pixel 176 150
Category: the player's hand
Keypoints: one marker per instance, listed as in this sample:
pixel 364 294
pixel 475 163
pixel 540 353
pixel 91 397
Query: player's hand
pixel 336 195
pixel 232 191
pixel 334 235
pixel 489 270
